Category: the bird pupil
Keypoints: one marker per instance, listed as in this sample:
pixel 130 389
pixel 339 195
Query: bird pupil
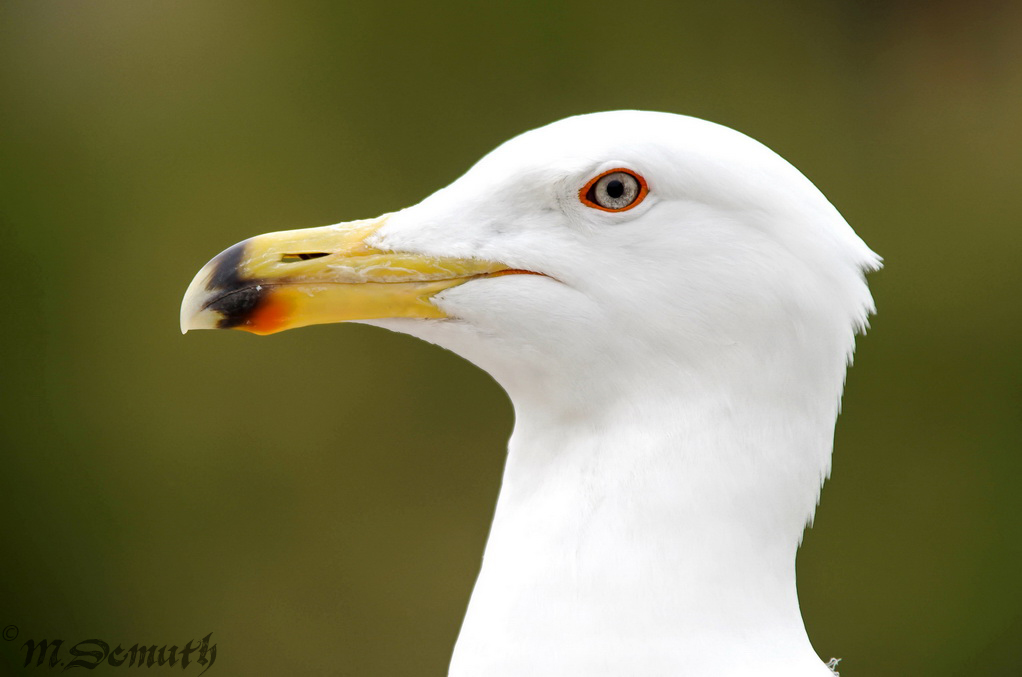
pixel 615 188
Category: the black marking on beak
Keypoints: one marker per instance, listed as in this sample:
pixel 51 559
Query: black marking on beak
pixel 236 307
pixel 225 272
pixel 235 298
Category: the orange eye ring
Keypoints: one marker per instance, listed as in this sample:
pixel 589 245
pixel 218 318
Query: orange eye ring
pixel 589 197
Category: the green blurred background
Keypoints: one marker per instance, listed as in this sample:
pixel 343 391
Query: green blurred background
pixel 319 500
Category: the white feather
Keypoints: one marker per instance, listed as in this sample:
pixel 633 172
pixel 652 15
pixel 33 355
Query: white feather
pixel 675 378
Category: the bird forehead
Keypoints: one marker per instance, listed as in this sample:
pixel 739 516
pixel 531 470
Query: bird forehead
pixel 678 155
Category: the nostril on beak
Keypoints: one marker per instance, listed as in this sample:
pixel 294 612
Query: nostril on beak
pixel 295 258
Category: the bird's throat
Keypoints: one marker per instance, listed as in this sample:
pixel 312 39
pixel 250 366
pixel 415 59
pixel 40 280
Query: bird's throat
pixel 621 536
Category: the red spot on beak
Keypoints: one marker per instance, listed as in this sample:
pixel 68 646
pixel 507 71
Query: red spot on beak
pixel 270 316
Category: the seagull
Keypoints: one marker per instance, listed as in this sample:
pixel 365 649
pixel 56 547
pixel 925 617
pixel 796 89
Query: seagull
pixel 671 308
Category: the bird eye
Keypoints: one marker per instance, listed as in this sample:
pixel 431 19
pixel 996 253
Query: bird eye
pixel 614 191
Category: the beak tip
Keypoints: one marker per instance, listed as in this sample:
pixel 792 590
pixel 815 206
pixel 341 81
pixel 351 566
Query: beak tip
pixel 193 313
pixel 186 313
pixel 199 319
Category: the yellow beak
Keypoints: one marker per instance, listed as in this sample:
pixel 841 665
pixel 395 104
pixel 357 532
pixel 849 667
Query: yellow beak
pixel 295 278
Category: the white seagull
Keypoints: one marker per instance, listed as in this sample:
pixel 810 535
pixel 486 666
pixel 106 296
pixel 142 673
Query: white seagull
pixel 671 307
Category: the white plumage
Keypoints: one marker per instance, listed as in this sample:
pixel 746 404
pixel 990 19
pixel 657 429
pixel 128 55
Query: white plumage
pixel 675 388
pixel 676 371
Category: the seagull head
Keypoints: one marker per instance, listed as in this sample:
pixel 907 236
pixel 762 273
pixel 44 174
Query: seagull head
pixel 630 241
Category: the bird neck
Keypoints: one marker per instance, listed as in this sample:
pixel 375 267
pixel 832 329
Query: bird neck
pixel 658 532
